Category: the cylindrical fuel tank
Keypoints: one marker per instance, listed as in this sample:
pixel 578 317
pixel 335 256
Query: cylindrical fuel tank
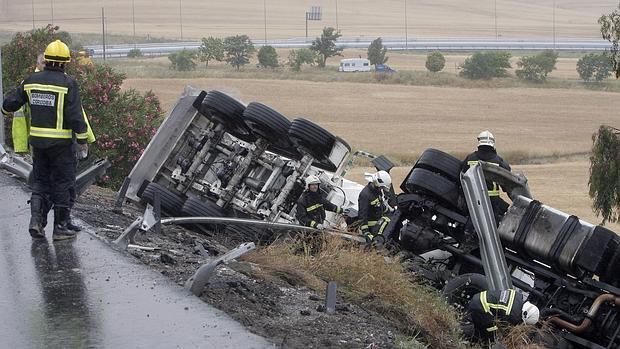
pixel 545 234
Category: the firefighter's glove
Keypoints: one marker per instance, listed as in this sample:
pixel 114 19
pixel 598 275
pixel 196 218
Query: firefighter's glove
pixel 320 226
pixel 82 151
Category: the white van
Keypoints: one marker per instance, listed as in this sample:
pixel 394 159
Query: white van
pixel 354 64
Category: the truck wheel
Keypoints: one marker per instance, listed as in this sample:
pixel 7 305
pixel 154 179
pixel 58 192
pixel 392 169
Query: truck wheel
pixel 228 111
pixel 314 139
pixel 171 203
pixel 460 290
pixel 426 182
pixel 268 124
pixel 194 207
pixel 439 162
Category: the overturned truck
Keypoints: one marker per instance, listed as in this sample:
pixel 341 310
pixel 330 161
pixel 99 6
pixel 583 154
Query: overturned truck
pixel 214 156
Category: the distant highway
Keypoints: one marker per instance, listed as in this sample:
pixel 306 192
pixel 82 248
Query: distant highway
pixel 454 44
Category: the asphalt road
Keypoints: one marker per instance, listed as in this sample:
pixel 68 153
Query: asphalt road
pixel 83 294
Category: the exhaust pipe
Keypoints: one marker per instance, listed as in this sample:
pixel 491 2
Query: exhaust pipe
pixel 587 322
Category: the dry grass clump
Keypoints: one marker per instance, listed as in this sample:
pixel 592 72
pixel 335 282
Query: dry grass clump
pixel 366 278
pixel 526 337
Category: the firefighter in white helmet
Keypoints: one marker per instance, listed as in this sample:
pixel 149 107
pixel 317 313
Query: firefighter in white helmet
pixel 487 308
pixel 312 204
pixel 487 152
pixel 373 205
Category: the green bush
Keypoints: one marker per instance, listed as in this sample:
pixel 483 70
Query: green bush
pixel 134 53
pixel 376 52
pixel 211 49
pixel 123 121
pixel 486 65
pixel 267 57
pixel 297 58
pixel 435 62
pixel 605 174
pixel 183 60
pixel 535 68
pixel 594 67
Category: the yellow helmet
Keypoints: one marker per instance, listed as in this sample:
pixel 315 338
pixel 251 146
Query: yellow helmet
pixel 57 51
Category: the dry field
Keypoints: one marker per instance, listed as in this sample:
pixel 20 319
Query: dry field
pixel 285 18
pixel 404 120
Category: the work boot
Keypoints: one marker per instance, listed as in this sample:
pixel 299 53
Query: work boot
pixel 36 226
pixel 73 227
pixel 61 232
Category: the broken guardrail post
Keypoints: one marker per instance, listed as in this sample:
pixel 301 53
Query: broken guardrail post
pixel 128 235
pixel 197 282
pixel 330 298
pixel 483 218
pixel 120 196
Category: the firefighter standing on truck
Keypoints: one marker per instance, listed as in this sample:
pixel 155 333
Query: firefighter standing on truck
pixel 487 152
pixel 312 204
pixel 56 116
pixel 487 308
pixel 373 206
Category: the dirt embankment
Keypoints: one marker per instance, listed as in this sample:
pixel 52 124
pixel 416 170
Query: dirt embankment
pixel 281 307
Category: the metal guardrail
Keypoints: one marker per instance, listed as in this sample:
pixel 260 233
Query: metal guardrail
pixel 396 44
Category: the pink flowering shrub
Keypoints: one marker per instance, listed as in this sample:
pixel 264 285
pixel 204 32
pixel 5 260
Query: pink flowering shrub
pixel 123 120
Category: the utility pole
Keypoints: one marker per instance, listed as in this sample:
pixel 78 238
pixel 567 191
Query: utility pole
pixel 307 14
pixel 337 27
pixel 181 19
pixel 495 16
pixel 265 18
pixel 553 25
pixel 52 3
pixel 406 34
pixel 33 14
pixel 103 30
pixel 133 19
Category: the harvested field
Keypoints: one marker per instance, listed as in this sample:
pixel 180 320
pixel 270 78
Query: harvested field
pixel 402 121
pixel 426 18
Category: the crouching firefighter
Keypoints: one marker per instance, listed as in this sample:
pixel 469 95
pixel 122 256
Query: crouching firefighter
pixel 373 206
pixel 488 308
pixel 56 116
pixel 312 204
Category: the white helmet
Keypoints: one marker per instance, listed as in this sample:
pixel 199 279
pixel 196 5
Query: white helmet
pixel 312 179
pixel 382 179
pixel 486 138
pixel 530 313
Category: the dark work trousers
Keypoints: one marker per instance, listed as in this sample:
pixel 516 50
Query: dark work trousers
pixel 72 192
pixel 53 172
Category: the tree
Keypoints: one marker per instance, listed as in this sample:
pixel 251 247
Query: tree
pixel 297 58
pixel 610 30
pixel 238 50
pixel 535 68
pixel 134 53
pixel 435 62
pixel 594 67
pixel 183 60
pixel 268 57
pixel 376 52
pixel 211 49
pixel 486 65
pixel 325 46
pixel 605 174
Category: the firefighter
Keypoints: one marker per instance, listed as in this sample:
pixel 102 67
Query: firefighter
pixel 83 58
pixel 487 152
pixel 56 117
pixel 487 308
pixel 373 206
pixel 312 204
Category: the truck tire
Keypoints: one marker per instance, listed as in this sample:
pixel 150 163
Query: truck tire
pixel 171 203
pixel 194 207
pixel 316 140
pixel 224 109
pixel 439 162
pixel 423 181
pixel 268 124
pixel 462 288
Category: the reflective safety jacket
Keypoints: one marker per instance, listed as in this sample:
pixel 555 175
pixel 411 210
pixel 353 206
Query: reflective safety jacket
pixel 487 154
pixel 311 208
pixel 55 108
pixel 488 307
pixel 371 208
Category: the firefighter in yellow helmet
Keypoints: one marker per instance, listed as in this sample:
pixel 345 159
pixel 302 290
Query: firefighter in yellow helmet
pixel 56 117
pixel 83 58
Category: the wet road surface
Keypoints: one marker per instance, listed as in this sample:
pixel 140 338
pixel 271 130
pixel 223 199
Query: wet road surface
pixel 82 294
